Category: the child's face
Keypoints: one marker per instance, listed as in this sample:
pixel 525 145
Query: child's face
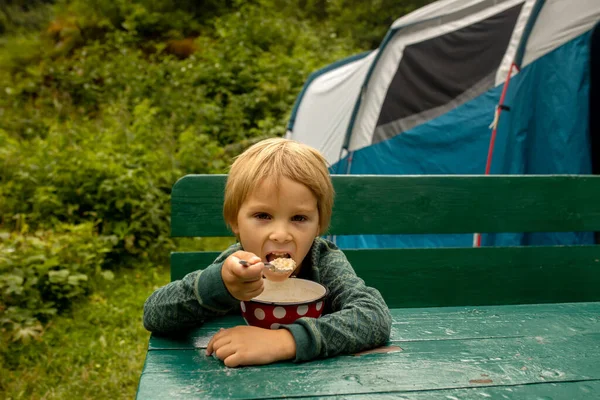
pixel 275 222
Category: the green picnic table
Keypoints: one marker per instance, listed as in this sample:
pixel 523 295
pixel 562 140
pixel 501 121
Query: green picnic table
pixel 468 323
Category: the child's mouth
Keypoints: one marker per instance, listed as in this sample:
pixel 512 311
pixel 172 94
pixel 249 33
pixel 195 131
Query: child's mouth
pixel 274 255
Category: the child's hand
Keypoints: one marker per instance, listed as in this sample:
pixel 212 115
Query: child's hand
pixel 244 282
pixel 250 345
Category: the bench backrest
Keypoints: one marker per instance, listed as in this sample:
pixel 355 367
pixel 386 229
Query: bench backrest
pixel 438 204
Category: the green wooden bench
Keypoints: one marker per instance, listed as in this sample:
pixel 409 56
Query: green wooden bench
pixel 468 323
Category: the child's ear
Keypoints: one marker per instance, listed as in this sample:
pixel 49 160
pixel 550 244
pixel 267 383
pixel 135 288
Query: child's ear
pixel 234 228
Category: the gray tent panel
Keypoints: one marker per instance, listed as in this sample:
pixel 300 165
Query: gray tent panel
pixel 460 66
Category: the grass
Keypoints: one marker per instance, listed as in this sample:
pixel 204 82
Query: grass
pixel 95 352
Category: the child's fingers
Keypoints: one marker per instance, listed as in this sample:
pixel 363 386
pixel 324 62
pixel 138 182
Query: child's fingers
pixel 213 342
pixel 251 258
pixel 232 361
pixel 225 351
pixel 255 290
pixel 209 347
pixel 248 273
pixel 219 344
pixel 249 270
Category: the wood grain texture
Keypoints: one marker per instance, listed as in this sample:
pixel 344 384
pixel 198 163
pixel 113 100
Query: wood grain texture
pixel 419 204
pixel 182 263
pixel 421 366
pixel 464 276
pixel 461 316
pixel 546 391
pixel 442 323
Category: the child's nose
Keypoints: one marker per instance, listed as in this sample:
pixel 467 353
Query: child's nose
pixel 280 233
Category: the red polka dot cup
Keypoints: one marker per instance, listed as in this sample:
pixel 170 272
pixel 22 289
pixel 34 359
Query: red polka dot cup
pixel 284 302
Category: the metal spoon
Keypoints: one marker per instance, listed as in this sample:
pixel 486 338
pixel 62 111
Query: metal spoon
pixel 272 273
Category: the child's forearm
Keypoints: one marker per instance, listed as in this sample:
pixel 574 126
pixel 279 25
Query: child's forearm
pixel 342 332
pixel 179 305
pixel 287 345
pixel 357 318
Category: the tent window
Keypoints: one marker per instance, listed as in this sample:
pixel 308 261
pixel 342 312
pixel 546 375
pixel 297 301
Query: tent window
pixel 436 71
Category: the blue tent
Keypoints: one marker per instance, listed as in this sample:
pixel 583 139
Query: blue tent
pixel 460 87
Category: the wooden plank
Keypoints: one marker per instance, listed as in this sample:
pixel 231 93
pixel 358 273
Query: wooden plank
pixel 419 204
pixel 422 365
pixel 465 276
pixel 197 206
pixel 445 323
pixel 195 338
pixel 481 276
pixel 547 391
pixel 182 263
pixel 463 323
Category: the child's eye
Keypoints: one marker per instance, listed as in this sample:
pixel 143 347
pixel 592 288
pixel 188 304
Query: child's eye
pixel 299 218
pixel 262 216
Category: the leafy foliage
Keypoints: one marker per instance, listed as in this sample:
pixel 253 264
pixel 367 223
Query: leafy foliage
pixel 364 23
pixel 106 103
pixel 99 137
pixel 24 15
pixel 93 351
pixel 42 273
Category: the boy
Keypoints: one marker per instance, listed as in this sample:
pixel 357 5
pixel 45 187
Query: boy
pixel 278 200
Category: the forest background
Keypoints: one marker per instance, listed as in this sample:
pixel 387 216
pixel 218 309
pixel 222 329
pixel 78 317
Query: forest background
pixel 104 104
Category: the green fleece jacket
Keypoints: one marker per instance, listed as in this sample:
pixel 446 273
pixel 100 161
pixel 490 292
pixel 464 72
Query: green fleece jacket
pixel 355 317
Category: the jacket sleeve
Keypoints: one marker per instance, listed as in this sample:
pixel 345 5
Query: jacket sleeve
pixel 189 302
pixel 359 318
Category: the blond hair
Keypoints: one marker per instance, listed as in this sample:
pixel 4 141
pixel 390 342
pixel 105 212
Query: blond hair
pixel 275 158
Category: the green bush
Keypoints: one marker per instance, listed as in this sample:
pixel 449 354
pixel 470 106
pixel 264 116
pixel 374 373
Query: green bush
pixel 96 135
pixel 103 134
pixel 24 15
pixel 241 82
pixel 43 272
pixel 99 116
pixel 84 176
pixel 147 19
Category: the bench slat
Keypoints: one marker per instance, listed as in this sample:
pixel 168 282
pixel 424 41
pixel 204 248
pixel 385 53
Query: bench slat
pixel 564 390
pixel 464 276
pixel 446 323
pixel 420 204
pixel 514 351
pixel 182 263
pixel 421 365
pixel 585 390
